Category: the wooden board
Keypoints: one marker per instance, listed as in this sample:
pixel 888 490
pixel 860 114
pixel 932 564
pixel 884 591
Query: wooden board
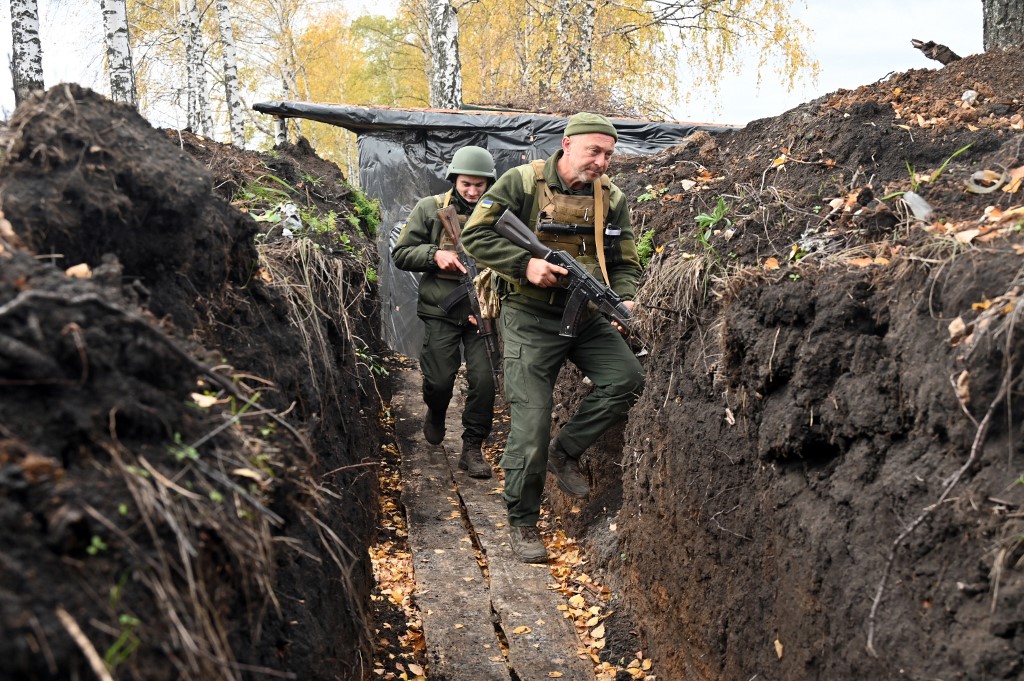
pixel 465 606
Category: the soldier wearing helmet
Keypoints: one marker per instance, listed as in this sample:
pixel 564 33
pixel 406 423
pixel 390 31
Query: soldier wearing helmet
pixel 423 246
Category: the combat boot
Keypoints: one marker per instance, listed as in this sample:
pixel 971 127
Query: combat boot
pixel 566 471
pixel 472 460
pixel 527 544
pixel 433 427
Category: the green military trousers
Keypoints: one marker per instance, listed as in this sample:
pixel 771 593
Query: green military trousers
pixel 534 354
pixel 440 360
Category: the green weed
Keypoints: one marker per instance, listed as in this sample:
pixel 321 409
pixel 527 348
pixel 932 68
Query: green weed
pixel 125 645
pixel 645 247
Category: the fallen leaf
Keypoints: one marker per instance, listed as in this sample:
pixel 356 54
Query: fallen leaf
pixel 459 625
pixel 577 601
pixel 79 271
pixel 598 632
pixel 983 305
pixel 415 668
pixel 1016 177
pixel 248 473
pixel 554 675
pixel 647 664
pixel 204 401
pixel 963 387
pixel 778 643
pixel 966 236
pixel 523 629
pixel 779 161
pixel 771 264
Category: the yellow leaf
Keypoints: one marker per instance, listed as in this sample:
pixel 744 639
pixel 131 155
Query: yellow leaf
pixel 779 161
pixel 415 669
pixel 647 664
pixel 577 601
pixel 897 91
pixel 554 675
pixel 1016 177
pixel 905 127
pixel 771 264
pixel 459 625
pixel 983 305
pixel 522 630
pixel 778 648
pixel 79 271
pixel 598 632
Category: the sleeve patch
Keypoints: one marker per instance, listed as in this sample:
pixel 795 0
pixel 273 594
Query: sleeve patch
pixel 486 203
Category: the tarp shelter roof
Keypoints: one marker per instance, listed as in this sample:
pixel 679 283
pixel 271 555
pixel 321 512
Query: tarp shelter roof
pixel 403 155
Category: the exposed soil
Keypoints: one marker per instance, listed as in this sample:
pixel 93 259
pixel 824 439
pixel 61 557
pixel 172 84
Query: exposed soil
pixel 810 409
pixel 821 480
pixel 173 537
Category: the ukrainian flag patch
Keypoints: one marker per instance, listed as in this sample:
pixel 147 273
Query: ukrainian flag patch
pixel 486 203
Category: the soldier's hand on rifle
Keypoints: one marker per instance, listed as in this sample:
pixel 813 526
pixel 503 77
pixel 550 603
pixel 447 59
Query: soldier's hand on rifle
pixel 541 273
pixel 628 304
pixel 448 261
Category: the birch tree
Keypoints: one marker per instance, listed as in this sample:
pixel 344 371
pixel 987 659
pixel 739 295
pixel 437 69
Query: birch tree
pixel 1002 23
pixel 445 68
pixel 27 50
pixel 119 52
pixel 231 96
pixel 199 120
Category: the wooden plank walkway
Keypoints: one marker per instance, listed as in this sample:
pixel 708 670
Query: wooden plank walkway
pixel 474 609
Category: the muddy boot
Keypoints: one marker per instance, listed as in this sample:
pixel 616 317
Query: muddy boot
pixel 433 427
pixel 472 460
pixel 567 471
pixel 527 544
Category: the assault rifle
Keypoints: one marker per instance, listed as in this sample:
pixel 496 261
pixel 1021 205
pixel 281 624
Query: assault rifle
pixel 583 286
pixel 467 289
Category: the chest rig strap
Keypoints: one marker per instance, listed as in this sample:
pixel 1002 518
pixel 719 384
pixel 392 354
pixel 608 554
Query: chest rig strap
pixel 574 209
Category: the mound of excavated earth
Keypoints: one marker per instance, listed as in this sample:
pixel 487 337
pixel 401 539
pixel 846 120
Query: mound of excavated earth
pixel 823 478
pixel 182 486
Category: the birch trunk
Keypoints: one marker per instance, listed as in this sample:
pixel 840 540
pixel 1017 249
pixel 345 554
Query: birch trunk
pixel 231 96
pixel 585 46
pixel 191 110
pixel 445 67
pixel 119 52
pixel 195 28
pixel 1002 23
pixel 27 50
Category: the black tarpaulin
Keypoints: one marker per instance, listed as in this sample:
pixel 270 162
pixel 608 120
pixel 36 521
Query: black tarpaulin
pixel 403 154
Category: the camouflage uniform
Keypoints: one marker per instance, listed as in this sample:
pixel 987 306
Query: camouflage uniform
pixel 446 333
pixel 535 352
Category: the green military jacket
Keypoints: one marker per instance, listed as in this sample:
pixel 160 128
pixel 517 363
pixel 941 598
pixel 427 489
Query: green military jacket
pixel 414 252
pixel 515 190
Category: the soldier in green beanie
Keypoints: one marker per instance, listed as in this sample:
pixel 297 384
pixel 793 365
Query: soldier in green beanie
pixel 571 190
pixel 423 246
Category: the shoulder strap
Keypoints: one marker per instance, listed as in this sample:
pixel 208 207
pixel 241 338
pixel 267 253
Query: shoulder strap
pixel 442 200
pixel 600 211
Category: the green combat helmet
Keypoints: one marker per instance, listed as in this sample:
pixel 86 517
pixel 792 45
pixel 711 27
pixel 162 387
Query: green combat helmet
pixel 471 160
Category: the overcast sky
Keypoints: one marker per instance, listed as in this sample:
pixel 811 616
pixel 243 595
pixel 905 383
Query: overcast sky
pixel 856 41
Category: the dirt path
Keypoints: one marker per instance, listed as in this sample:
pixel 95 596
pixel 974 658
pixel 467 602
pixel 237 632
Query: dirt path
pixel 485 614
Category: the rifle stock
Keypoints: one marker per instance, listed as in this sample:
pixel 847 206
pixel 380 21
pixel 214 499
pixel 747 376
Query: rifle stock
pixel 583 286
pixel 449 218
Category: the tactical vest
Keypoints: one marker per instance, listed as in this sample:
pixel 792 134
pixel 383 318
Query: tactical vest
pixel 589 213
pixel 445 243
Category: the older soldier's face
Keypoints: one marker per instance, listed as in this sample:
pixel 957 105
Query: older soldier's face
pixel 586 157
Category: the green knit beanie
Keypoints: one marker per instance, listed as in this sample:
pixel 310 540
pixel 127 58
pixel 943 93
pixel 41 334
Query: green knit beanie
pixel 583 123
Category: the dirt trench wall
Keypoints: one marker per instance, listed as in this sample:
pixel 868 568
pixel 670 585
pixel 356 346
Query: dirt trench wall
pixel 241 556
pixel 756 548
